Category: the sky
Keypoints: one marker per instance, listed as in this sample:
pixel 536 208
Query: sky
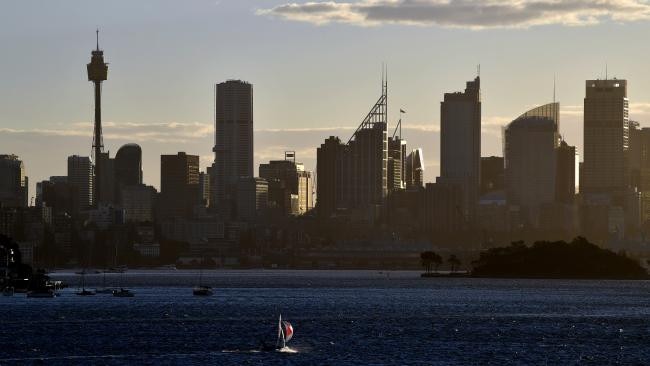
pixel 315 67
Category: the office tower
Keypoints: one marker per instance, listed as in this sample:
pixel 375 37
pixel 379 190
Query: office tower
pixel 252 197
pixel 492 174
pixel 368 154
pixel 530 144
pixel 128 168
pixel 415 169
pixel 204 188
pixel 179 184
pixel 329 173
pixel 396 163
pixel 80 176
pixel 97 72
pixel 460 142
pixel 233 149
pixel 567 175
pixel 106 181
pixel 13 182
pixel 354 175
pixel 606 137
pixel 287 178
pixel 138 202
pixel 305 191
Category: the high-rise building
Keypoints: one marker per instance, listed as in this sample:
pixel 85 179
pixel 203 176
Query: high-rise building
pixel 396 163
pixel 128 167
pixel 13 182
pixel 80 176
pixel 567 177
pixel 492 174
pixel 414 177
pixel 460 142
pixel 233 149
pixel 530 144
pixel 354 176
pixel 606 137
pixel 204 188
pixel 329 172
pixel 179 185
pixel 292 178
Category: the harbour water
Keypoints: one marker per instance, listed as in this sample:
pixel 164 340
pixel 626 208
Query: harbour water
pixel 340 317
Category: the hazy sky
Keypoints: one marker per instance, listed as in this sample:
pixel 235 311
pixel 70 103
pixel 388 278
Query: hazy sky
pixel 315 68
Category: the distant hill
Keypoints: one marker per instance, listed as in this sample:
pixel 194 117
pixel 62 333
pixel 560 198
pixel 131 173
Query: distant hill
pixel 559 259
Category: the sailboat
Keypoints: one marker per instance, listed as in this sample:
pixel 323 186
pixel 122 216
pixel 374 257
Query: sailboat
pixel 83 291
pixel 285 333
pixel 123 292
pixel 202 290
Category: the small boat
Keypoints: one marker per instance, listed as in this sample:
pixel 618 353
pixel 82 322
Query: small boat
pixel 8 291
pixel 83 291
pixel 42 293
pixel 123 293
pixel 202 291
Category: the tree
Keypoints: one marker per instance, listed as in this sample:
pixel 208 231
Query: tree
pixel 454 262
pixel 429 259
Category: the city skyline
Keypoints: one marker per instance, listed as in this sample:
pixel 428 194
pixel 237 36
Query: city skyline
pixel 291 98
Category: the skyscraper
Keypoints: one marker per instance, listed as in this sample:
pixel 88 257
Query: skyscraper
pixel 179 185
pixel 13 182
pixel 567 176
pixel 396 163
pixel 97 72
pixel 460 143
pixel 606 134
pixel 233 149
pixel 329 173
pixel 80 176
pixel 530 144
pixel 415 169
pixel 128 165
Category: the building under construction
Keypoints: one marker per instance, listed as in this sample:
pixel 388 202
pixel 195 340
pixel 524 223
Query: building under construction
pixel 353 177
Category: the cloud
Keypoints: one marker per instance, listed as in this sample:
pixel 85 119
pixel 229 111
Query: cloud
pixel 165 132
pixel 471 14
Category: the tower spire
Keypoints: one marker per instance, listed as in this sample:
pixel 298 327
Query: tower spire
pixel 553 88
pixel 97 34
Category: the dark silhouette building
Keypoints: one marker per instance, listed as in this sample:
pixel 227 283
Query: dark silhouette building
pixel 414 176
pixel 460 142
pixel 81 177
pixel 233 149
pixel 128 168
pixel 13 182
pixel 566 177
pixel 329 172
pixel 179 185
pixel 492 174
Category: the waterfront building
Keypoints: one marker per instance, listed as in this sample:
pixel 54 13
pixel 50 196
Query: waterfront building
pixel 330 175
pixel 290 176
pixel 567 174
